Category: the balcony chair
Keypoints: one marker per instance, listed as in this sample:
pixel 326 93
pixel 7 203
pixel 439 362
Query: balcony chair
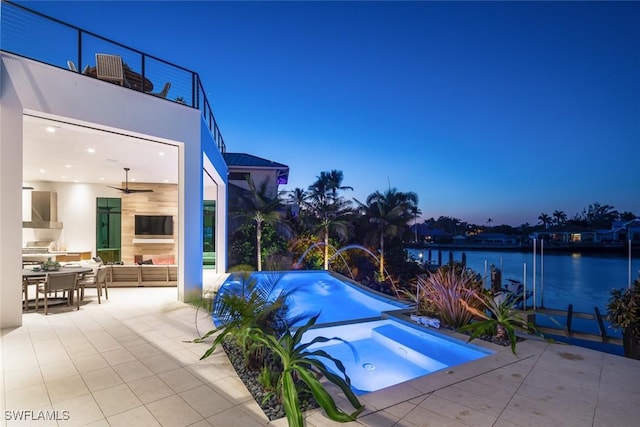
pixel 109 68
pixel 163 93
pixel 97 280
pixel 65 282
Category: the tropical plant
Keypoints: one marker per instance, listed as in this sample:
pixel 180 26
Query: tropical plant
pixel 388 215
pixel 329 183
pixel 559 217
pixel 502 322
pixel 299 362
pixel 329 212
pixel 258 206
pixel 297 199
pixel 624 313
pixel 250 304
pixel 331 218
pixel 447 288
pixel 268 379
pixel 599 215
pixel 544 219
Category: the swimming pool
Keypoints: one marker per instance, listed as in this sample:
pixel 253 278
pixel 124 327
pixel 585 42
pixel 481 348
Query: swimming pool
pixel 381 351
pixel 323 292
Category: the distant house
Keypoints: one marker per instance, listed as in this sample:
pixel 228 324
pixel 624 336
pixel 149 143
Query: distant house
pixel 494 238
pixel 566 234
pixel 623 231
pixel 428 234
pixel 243 165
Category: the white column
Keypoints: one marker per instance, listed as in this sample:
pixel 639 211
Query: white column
pixel 10 201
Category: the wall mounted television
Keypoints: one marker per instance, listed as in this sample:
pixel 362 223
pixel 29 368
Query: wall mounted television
pixel 154 225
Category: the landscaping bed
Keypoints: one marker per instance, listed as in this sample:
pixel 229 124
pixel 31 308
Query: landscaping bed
pixel 271 407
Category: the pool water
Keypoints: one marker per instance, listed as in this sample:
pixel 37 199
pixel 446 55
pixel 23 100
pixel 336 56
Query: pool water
pixel 336 300
pixel 322 292
pixel 380 352
pixel 383 353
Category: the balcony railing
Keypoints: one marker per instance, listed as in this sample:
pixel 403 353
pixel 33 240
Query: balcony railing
pixel 30 34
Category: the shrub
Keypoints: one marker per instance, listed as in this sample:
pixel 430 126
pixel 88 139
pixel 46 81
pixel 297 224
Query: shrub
pixel 249 305
pixel 501 323
pixel 445 289
pixel 304 364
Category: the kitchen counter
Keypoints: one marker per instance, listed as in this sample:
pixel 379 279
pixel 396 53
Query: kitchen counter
pixel 60 256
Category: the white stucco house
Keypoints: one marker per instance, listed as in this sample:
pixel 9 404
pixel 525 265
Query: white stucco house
pixel 73 133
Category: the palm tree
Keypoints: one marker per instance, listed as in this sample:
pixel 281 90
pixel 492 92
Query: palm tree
pixel 389 214
pixel 333 181
pixel 328 184
pixel 330 211
pixel 333 217
pixel 560 217
pixel 298 198
pixel 257 205
pixel 544 220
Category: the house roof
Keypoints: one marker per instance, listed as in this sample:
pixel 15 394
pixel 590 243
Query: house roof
pixel 250 161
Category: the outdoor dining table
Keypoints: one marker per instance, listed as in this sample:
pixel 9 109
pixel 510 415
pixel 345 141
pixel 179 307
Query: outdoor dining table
pixel 133 78
pixel 36 272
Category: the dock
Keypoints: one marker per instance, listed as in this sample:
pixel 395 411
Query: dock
pixel 567 329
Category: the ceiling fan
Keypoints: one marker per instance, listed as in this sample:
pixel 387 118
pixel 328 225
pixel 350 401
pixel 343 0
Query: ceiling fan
pixel 126 188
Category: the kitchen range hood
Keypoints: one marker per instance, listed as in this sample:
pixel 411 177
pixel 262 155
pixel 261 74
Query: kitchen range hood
pixel 44 210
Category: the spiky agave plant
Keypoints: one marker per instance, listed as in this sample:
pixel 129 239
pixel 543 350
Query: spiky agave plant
pixel 299 362
pixel 503 321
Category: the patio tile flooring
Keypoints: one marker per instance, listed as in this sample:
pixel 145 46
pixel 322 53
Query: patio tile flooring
pixel 129 362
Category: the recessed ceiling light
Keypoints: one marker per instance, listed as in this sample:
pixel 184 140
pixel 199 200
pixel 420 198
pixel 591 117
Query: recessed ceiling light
pixel 91 150
pixel 102 178
pixel 161 153
pixel 42 170
pixel 166 180
pixel 133 179
pixel 76 181
pixel 50 129
pixel 67 166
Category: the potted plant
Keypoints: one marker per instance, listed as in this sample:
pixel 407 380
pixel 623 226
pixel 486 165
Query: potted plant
pixel 624 313
pixel 50 265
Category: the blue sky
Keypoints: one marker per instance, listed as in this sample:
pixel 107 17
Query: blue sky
pixel 500 110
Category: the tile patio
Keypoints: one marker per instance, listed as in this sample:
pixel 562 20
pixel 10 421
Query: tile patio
pixel 128 362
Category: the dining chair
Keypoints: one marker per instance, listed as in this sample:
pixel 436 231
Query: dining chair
pixel 97 280
pixel 163 93
pixel 65 282
pixel 72 66
pixel 30 281
pixel 109 68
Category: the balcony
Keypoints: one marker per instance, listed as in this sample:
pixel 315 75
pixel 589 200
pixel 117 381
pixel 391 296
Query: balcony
pixel 74 49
